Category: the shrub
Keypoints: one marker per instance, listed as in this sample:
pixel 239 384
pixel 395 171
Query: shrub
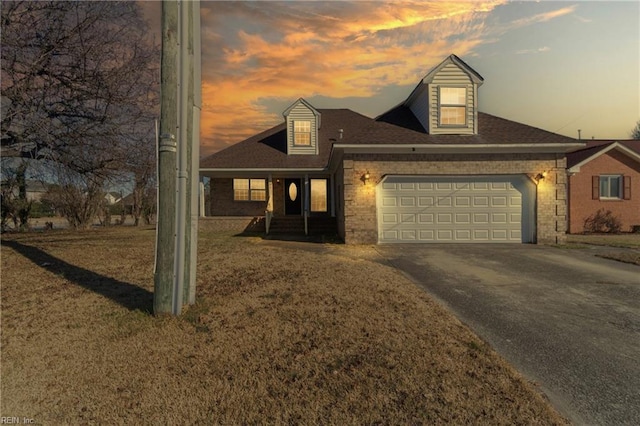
pixel 602 221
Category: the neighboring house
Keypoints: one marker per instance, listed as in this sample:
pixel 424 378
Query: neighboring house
pixel 604 175
pixel 35 189
pixel 112 197
pixel 432 169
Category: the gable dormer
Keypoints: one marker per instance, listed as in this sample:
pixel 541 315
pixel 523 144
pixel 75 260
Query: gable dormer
pixel 303 122
pixel 446 100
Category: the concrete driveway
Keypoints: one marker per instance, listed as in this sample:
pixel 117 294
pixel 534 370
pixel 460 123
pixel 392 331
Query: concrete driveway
pixel 567 320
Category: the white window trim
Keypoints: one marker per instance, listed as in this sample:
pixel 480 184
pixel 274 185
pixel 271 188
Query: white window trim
pixel 250 189
pixel 619 196
pixel 300 132
pixel 462 105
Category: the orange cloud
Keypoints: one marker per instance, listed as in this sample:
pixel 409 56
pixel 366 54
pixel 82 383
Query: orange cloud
pixel 256 54
pixel 335 50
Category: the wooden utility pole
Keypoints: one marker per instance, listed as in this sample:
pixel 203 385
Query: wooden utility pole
pixel 187 33
pixel 165 242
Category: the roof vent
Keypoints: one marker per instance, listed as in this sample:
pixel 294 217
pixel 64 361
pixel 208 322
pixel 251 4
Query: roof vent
pixel 340 132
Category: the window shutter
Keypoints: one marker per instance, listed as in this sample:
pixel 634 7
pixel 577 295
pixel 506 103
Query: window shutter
pixel 626 191
pixel 595 187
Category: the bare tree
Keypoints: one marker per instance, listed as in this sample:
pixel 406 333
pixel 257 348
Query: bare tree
pixel 635 133
pixel 79 80
pixel 14 204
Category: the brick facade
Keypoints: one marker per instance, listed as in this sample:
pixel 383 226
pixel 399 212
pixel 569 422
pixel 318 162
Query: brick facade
pixel 359 213
pixel 581 203
pixel 223 204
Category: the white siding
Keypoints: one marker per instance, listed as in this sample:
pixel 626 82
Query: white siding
pixel 424 104
pixel 302 112
pixel 451 75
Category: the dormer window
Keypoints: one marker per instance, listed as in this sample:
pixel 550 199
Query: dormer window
pixel 302 132
pixel 453 106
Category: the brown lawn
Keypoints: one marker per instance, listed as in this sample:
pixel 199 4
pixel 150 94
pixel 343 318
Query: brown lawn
pixel 312 334
pixel 620 247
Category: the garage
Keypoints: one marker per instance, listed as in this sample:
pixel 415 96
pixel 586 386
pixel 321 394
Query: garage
pixel 456 209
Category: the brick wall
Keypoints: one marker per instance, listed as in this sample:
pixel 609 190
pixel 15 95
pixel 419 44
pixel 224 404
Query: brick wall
pixel 581 204
pixel 222 203
pixel 360 221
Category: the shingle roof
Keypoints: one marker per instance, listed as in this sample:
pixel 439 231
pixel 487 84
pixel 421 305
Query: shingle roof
pixel 396 127
pixel 595 146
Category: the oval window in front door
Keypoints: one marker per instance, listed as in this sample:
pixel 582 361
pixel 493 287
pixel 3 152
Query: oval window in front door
pixel 293 191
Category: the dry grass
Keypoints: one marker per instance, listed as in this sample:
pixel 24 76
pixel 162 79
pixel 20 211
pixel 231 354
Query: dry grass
pixel 620 247
pixel 611 240
pixel 316 334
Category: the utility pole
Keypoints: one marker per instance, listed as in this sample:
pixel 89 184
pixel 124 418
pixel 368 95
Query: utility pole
pixel 178 157
pixel 195 152
pixel 165 242
pixel 187 130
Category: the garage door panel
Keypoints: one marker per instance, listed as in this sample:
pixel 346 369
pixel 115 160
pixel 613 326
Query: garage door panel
pixel 389 201
pixel 425 218
pixel 450 209
pixel 462 201
pixel 463 218
pixel 426 235
pixel 390 218
pixel 463 235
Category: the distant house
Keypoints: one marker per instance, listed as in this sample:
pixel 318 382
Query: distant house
pixel 112 198
pixel 604 175
pixel 35 189
pixel 432 169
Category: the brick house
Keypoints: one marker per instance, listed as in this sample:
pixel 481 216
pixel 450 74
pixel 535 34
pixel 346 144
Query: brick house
pixel 604 176
pixel 431 169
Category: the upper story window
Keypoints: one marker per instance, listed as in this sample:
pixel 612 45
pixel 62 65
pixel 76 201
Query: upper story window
pixel 611 186
pixel 249 190
pixel 453 106
pixel 302 132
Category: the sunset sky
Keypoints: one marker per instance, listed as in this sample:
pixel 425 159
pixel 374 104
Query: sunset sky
pixel 557 65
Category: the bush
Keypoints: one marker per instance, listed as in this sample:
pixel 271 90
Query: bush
pixel 602 221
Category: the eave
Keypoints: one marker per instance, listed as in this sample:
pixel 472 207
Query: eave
pixel 616 145
pixel 241 172
pixel 542 148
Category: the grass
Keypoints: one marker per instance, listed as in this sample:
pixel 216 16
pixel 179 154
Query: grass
pixel 611 240
pixel 316 334
pixel 621 247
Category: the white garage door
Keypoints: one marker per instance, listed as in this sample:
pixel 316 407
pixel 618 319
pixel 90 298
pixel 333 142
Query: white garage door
pixel 478 209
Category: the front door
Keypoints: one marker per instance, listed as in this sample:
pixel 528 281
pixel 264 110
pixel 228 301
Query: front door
pixel 292 196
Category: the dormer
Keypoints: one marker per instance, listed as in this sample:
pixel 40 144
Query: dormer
pixel 303 122
pixel 446 99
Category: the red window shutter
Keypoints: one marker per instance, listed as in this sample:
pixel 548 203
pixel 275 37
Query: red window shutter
pixel 595 187
pixel 626 191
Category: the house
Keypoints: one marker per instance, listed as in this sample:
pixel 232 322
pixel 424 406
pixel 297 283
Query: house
pixel 34 189
pixel 112 197
pixel 432 169
pixel 604 176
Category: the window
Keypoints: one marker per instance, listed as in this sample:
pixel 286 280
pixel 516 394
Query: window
pixel 453 106
pixel 249 190
pixel 611 186
pixel 318 195
pixel 301 132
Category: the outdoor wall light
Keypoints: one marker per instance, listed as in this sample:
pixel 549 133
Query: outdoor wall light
pixel 365 177
pixel 540 176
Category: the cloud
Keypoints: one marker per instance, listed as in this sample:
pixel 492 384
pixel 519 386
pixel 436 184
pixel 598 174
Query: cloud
pixel 544 17
pixel 538 50
pixel 254 52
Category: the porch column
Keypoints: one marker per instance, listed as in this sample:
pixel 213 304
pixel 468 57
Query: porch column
pixel 306 204
pixel 332 196
pixel 201 197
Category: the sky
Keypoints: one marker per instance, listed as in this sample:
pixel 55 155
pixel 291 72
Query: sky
pixel 557 65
